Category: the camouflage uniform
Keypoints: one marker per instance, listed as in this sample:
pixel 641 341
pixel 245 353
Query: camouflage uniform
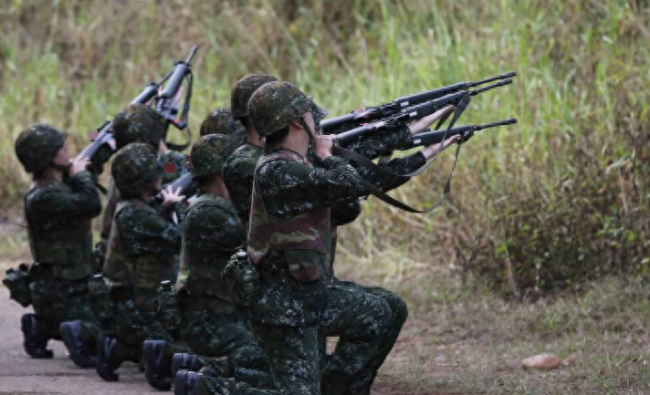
pixel 291 242
pixel 141 250
pixel 238 175
pixel 212 232
pixel 136 123
pixel 59 218
pixel 240 166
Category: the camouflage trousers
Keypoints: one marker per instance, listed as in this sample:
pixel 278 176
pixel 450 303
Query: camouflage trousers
pixel 131 326
pixel 363 323
pixel 57 301
pixel 212 335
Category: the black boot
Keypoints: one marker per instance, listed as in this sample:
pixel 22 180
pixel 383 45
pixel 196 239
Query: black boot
pixel 184 361
pixel 107 361
pixel 80 352
pixel 185 382
pixel 153 352
pixel 35 342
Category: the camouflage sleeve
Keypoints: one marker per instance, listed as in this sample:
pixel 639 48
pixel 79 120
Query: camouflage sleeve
pixel 289 188
pixel 238 175
pixel 83 201
pixel 147 232
pixel 218 230
pixel 345 212
pixel 401 166
pixel 375 145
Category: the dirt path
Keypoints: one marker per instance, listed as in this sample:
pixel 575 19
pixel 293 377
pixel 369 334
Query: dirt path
pixel 20 374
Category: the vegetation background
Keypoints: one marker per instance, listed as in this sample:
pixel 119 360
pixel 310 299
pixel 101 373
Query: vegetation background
pixel 544 242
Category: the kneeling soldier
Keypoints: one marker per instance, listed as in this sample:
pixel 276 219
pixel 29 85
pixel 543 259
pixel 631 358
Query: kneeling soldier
pixel 58 214
pixel 141 251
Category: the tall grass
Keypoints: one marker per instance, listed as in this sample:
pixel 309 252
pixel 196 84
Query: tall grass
pixel 561 197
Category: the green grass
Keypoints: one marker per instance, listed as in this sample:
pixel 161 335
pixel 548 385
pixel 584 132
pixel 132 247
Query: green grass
pixel 556 202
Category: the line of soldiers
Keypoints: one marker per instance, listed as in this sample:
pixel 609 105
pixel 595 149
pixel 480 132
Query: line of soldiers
pixel 235 294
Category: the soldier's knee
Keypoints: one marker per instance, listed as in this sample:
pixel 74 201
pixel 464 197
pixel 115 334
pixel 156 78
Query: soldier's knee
pixel 377 317
pixel 399 309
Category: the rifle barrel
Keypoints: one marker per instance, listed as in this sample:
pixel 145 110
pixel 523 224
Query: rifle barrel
pixel 493 86
pixel 192 53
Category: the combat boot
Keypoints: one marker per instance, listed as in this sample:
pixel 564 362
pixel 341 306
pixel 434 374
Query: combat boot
pixel 184 361
pixel 107 360
pixel 156 371
pixel 80 351
pixel 35 341
pixel 185 382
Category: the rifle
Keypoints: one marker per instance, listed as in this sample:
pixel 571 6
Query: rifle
pixel 460 99
pixel 166 103
pixel 105 132
pixel 185 182
pixel 466 131
pixel 396 106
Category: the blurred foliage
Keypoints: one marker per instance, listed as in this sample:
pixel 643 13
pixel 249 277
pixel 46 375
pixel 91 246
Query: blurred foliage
pixel 558 199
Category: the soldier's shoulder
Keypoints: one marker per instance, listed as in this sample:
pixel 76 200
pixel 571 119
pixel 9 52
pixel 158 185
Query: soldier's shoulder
pixel 45 191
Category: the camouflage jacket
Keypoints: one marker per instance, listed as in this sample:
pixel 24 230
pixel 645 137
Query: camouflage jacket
pixel 113 194
pixel 59 217
pixel 238 172
pixel 211 234
pixel 142 249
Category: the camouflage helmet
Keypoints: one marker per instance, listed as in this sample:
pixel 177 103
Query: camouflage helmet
pixel 135 169
pixel 37 146
pixel 277 104
pixel 243 90
pixel 209 154
pixel 138 123
pixel 220 121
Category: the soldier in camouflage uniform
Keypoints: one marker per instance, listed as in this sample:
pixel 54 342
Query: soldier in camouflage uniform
pixel 141 251
pixel 291 241
pixel 137 123
pixel 58 215
pixel 212 232
pixel 240 166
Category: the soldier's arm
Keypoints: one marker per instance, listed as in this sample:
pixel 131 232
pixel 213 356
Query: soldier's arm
pixel 143 232
pixel 345 212
pixel 374 145
pixel 403 166
pixel 293 188
pixel 83 201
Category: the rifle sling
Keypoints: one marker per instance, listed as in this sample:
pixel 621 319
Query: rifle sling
pixel 392 177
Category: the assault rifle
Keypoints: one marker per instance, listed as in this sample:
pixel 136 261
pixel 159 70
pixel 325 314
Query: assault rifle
pixel 185 182
pixel 460 99
pixel 466 132
pixel 397 106
pixel 166 103
pixel 105 132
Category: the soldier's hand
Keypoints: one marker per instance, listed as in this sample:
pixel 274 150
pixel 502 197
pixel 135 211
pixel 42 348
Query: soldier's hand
pixel 78 164
pixel 171 197
pixel 324 145
pixel 422 124
pixel 433 149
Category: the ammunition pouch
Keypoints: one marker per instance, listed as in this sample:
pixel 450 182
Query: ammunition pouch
pixel 242 279
pixel 17 281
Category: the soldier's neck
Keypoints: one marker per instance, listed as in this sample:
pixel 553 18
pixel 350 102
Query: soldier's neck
pixel 253 138
pixel 52 173
pixel 216 187
pixel 297 141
